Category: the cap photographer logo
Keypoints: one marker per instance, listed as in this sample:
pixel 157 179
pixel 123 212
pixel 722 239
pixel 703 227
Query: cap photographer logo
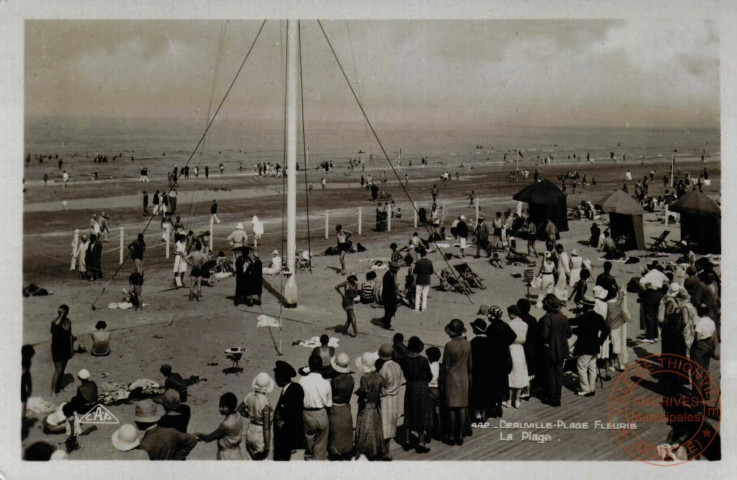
pixel 99 414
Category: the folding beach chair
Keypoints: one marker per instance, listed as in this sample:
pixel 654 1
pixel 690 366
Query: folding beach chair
pixel 659 243
pixel 469 276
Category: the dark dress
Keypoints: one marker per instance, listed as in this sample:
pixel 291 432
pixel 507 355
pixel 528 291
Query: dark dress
pixel 258 278
pixel 499 336
pixel 480 373
pixel 418 405
pixel 288 426
pixel 369 433
pixel 61 342
pixel 674 343
pixel 340 439
pixel 240 281
pixel 389 296
pixel 555 331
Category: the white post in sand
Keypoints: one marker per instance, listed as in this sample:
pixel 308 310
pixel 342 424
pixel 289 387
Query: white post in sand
pixel 415 214
pixel 121 245
pixel 75 248
pixel 166 228
pixel 359 221
pixel 327 221
pixel 212 232
pixel 389 219
pixel 477 210
pixel 290 289
pixel 666 216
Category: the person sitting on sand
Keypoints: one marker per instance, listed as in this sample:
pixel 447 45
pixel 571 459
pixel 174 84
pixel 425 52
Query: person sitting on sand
pixel 276 264
pixel 495 261
pixel 514 255
pixel 100 340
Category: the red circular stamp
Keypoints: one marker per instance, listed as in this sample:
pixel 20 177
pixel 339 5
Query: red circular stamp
pixel 665 410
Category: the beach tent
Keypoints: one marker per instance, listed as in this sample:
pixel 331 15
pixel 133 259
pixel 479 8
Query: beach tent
pixel 625 218
pixel 700 222
pixel 546 201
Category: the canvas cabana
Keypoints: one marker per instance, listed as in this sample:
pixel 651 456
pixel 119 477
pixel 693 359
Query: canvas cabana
pixel 701 222
pixel 625 219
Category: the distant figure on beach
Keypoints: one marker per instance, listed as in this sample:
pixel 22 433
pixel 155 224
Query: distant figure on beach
pixel 65 178
pixel 144 175
pixel 46 179
pixel 471 198
pixel 145 203
pixel 628 176
pixel 207 171
pixel 214 212
pixel 222 168
pixel 323 182
pixel 196 171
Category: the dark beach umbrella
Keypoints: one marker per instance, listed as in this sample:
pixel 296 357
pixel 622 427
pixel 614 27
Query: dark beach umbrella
pixel 546 202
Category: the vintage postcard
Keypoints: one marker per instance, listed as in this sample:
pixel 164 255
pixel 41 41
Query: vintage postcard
pixel 392 239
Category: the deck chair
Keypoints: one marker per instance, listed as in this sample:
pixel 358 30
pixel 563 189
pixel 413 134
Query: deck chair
pixel 473 280
pixel 449 283
pixel 659 243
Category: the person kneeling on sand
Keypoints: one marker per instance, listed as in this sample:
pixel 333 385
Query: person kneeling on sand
pixel 275 267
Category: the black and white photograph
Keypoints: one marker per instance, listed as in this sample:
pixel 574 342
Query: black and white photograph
pixel 369 240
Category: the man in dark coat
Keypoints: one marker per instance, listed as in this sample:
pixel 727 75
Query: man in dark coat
pixel 257 281
pixel 389 294
pixel 555 332
pixel 499 336
pixel 591 332
pixel 94 261
pixel 240 279
pixel 288 426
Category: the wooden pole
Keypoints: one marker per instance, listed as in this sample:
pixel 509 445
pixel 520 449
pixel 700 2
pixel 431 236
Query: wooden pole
pixel 359 221
pixel 477 210
pixel 166 228
pixel 389 219
pixel 292 96
pixel 121 245
pixel 666 216
pixel 327 221
pixel 442 214
pixel 415 214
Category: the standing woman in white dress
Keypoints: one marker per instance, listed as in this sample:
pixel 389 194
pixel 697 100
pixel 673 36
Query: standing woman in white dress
pixel 258 230
pixel 180 265
pixel 576 265
pixel 519 377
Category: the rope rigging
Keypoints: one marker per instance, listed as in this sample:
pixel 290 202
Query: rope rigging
pixel 381 146
pixel 304 144
pixel 202 138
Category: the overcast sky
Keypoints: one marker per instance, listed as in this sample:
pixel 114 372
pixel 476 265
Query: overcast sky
pixel 537 73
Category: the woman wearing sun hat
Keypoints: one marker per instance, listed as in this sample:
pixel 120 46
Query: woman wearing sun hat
pixel 418 404
pixel 340 434
pixel 256 407
pixel 390 398
pixel 454 379
pixel 369 434
pixel 125 440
